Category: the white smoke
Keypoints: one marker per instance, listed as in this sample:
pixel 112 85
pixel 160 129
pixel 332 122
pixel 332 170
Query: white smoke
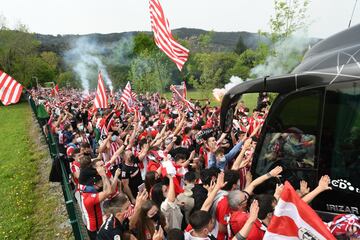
pixel 122 51
pixel 288 53
pixel 85 61
pixel 220 92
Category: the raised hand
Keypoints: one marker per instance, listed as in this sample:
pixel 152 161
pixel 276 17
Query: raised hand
pixel 192 155
pixel 248 177
pixel 141 198
pixel 247 143
pixel 254 210
pixel 101 170
pixel 158 234
pixel 323 186
pixel 244 163
pixel 220 181
pixel 304 189
pixel 276 172
pixel 278 190
pixel 211 186
pixel 324 183
pixel 117 173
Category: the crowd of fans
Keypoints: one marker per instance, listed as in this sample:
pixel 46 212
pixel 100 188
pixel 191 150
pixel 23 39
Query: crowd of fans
pixel 159 170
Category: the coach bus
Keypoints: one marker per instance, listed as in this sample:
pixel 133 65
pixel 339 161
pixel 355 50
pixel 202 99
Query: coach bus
pixel 315 120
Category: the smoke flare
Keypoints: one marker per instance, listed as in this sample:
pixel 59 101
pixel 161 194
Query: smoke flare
pixel 85 61
pixel 219 93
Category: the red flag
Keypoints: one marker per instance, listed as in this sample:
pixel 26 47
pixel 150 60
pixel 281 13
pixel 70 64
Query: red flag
pixel 163 36
pixel 101 100
pixel 55 90
pixel 10 90
pixel 295 219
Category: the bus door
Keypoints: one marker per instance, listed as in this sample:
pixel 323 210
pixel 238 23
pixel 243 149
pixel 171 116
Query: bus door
pixel 340 149
pixel 291 136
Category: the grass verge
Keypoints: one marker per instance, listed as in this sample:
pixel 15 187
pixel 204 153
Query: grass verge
pixel 29 207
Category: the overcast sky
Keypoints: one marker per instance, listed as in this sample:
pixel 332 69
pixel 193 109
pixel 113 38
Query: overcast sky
pixel 107 16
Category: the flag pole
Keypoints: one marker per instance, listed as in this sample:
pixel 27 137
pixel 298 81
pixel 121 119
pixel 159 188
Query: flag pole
pixel 182 74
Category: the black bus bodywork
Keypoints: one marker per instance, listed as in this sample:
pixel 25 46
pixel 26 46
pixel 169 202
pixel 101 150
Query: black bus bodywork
pixel 319 102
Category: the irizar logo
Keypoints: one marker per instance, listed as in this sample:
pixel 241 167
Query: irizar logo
pixel 344 185
pixel 342 209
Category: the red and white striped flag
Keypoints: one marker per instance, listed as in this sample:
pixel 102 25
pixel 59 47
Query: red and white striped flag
pixel 185 89
pixel 101 100
pixel 105 124
pixel 177 96
pixel 10 90
pixel 127 96
pixel 295 219
pixel 134 96
pixel 163 37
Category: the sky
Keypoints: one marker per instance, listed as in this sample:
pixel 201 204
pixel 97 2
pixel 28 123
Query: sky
pixel 107 16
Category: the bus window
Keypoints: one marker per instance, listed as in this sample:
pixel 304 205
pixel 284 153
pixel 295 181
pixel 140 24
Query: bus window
pixel 300 111
pixel 299 149
pixel 291 137
pixel 340 143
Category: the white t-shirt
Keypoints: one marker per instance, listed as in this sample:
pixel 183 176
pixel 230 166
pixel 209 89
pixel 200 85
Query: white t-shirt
pixel 188 236
pixel 172 214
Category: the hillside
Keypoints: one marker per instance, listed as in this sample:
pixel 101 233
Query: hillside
pixel 221 41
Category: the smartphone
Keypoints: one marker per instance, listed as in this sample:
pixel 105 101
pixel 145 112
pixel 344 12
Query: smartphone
pixel 141 187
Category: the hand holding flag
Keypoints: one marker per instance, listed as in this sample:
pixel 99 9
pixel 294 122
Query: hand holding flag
pixel 295 219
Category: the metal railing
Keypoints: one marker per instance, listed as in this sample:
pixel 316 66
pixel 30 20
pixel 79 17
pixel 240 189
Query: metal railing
pixel 74 218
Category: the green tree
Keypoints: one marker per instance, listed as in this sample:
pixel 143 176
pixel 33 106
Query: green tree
pixel 119 75
pixel 68 79
pixel 290 16
pixel 143 42
pixel 15 46
pixel 205 41
pixel 210 70
pixel 285 50
pixel 248 60
pixel 150 69
pixel 32 67
pixel 240 46
pixel 51 59
pixel 149 72
pixel 118 62
pixel 20 57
